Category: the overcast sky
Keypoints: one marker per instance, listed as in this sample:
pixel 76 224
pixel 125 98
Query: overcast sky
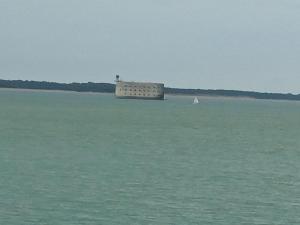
pixel 216 44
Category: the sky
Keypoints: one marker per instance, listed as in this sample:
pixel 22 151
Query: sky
pixel 211 44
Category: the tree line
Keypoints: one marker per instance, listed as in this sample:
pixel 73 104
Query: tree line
pixel 110 88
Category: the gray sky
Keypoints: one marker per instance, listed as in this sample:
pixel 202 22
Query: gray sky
pixel 217 44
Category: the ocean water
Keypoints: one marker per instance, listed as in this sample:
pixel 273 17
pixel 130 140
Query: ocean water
pixel 74 158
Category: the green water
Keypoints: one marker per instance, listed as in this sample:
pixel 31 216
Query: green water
pixel 70 158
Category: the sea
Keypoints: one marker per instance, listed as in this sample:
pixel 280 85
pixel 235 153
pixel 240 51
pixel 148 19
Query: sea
pixel 71 158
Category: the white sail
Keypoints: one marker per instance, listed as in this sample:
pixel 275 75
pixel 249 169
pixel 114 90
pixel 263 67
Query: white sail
pixel 196 101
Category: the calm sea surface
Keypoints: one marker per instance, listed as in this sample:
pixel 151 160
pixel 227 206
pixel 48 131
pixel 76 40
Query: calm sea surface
pixel 71 158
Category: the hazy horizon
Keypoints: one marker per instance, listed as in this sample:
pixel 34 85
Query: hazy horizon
pixel 234 45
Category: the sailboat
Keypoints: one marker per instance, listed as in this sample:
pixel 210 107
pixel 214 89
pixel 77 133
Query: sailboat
pixel 196 101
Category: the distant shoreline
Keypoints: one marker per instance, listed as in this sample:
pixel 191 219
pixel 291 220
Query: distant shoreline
pixel 110 88
pixel 109 93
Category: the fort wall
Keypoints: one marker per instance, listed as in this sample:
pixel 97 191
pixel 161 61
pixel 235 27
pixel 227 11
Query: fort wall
pixel 139 90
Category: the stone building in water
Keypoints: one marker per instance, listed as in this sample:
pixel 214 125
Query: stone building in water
pixel 139 90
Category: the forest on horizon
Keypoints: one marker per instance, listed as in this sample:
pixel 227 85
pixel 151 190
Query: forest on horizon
pixel 110 88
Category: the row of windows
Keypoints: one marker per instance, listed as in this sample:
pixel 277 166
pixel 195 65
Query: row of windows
pixel 143 87
pixel 139 94
pixel 141 90
pixel 136 90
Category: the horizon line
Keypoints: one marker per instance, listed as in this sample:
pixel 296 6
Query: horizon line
pixel 168 87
